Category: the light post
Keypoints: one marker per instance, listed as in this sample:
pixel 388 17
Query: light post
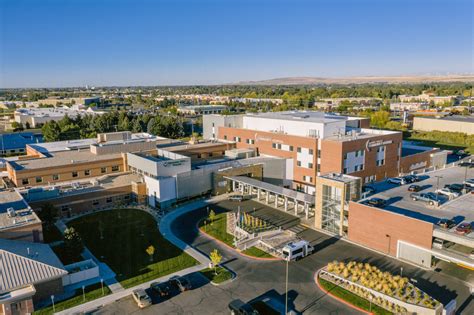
pixel 370 303
pixel 102 286
pixel 437 181
pixel 52 300
pixel 83 294
pixel 286 288
pixel 401 272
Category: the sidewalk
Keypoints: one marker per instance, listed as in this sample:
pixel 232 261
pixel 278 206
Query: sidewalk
pixel 165 229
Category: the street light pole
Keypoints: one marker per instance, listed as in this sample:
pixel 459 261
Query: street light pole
pixel 437 181
pixel 102 285
pixel 52 300
pixel 83 294
pixel 286 288
pixel 401 272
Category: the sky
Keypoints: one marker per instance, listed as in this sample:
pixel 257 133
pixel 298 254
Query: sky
pixel 58 43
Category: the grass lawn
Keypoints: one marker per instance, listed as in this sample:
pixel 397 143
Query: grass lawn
pixel 351 297
pixel 440 144
pixel 51 233
pixel 126 234
pixel 218 229
pixel 257 252
pixel 222 274
pixel 65 258
pixel 92 292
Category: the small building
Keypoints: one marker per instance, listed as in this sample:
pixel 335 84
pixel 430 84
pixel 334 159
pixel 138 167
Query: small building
pixel 30 272
pixel 201 109
pixel 15 143
pixel 455 123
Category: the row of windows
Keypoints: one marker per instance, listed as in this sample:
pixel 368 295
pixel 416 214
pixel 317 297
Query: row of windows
pixel 55 177
pixel 380 162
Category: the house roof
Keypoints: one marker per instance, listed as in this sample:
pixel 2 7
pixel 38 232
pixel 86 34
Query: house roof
pixel 25 263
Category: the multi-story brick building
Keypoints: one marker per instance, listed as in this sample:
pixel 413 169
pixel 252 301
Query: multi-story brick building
pixel 315 142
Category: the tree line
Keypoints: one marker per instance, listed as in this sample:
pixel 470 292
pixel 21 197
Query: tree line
pixel 88 126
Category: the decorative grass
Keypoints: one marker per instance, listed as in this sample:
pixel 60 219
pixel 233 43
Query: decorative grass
pixel 221 276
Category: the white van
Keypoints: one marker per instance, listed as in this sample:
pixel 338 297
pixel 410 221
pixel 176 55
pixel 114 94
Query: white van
pixel 297 250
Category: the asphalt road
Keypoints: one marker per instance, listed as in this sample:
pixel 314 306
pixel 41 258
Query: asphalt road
pixel 267 278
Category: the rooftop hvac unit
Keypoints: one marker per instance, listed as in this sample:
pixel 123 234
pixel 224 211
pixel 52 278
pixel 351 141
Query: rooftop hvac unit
pixel 11 212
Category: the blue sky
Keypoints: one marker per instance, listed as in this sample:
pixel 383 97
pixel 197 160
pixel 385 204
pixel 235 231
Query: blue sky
pixel 53 43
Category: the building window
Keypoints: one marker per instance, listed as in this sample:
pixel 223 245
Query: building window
pixel 274 145
pixel 311 151
pixel 225 137
pixel 319 153
pixel 39 179
pixel 310 165
pixel 380 162
pixel 126 197
pixel 25 181
pixel 64 208
pixel 345 156
pixel 95 202
pixel 298 163
pixel 87 172
pixel 291 148
pixel 74 174
pixel 55 176
pixel 344 171
pixel 108 199
pixel 103 170
pixel 318 167
pixel 115 168
pixel 298 150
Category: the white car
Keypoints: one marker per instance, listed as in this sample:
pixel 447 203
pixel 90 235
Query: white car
pixel 142 298
pixel 469 182
pixel 447 192
pixel 397 181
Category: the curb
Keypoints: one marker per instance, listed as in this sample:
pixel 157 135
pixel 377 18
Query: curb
pixel 234 249
pixel 234 276
pixel 338 298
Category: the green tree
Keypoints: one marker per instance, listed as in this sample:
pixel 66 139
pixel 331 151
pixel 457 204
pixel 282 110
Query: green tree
pixel 48 213
pixel 51 131
pixel 16 126
pixel 150 250
pixel 73 242
pixel 216 259
pixel 212 216
pixel 379 119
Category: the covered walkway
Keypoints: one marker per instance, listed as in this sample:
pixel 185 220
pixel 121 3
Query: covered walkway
pixel 299 203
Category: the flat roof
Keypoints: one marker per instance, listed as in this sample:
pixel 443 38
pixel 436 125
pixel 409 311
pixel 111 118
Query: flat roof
pixel 340 177
pixel 23 214
pixel 62 145
pixel 300 196
pixel 62 158
pixel 306 116
pixel 363 133
pixel 17 140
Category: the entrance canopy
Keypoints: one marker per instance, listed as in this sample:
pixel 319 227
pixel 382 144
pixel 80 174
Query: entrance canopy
pixel 278 190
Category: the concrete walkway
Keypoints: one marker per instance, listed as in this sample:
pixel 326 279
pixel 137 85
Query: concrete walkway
pixel 165 229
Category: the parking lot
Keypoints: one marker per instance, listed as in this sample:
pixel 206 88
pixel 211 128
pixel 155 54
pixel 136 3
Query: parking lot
pixel 459 209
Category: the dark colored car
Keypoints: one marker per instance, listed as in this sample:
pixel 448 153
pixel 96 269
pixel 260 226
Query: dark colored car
pixel 455 187
pixel 376 202
pixel 162 289
pixel 412 178
pixel 446 223
pixel 181 283
pixel 238 307
pixel 414 188
pixel 466 164
pixel 464 228
pixel 368 189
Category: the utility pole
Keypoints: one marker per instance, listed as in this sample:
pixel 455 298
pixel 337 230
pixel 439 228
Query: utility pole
pixel 286 288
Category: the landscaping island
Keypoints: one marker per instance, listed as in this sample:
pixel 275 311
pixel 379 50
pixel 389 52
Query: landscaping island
pixel 217 275
pixel 218 230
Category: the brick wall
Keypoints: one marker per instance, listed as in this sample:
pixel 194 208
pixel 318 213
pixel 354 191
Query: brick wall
pixel 370 226
pixel 417 161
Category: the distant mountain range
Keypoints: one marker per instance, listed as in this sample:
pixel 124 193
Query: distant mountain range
pixel 360 80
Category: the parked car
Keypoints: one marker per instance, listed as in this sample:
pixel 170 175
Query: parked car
pixel 446 223
pixel 429 198
pixel 448 192
pixel 376 202
pixel 412 178
pixel 368 189
pixel 141 298
pixel 181 283
pixel 238 307
pixel 162 289
pixel 466 164
pixel 397 181
pixel 464 228
pixel 455 187
pixel 414 188
pixel 469 182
